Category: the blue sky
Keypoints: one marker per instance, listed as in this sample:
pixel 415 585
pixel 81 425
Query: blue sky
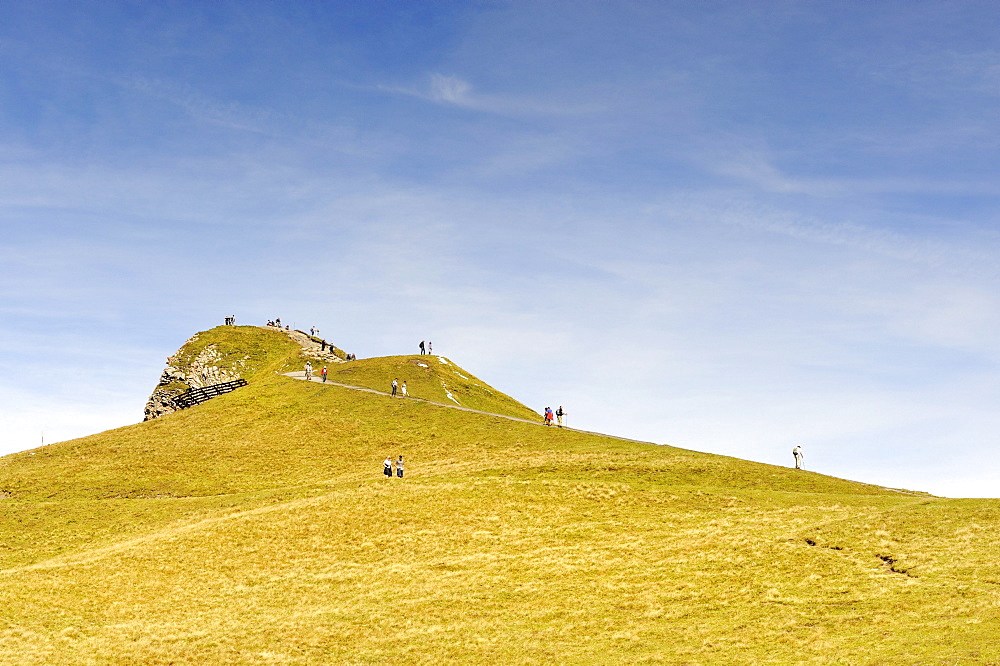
pixel 731 227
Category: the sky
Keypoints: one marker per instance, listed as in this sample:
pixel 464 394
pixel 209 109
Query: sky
pixel 730 227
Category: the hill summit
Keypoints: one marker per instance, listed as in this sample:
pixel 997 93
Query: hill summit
pixel 258 528
pixel 228 353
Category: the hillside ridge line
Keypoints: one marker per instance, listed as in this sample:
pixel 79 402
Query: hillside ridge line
pixel 301 375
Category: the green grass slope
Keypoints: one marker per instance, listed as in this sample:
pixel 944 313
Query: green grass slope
pixel 250 351
pixel 433 378
pixel 257 528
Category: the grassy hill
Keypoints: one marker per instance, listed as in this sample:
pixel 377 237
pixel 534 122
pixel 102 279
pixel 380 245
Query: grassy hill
pixel 257 528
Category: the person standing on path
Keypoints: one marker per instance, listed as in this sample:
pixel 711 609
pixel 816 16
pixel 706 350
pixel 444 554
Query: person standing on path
pixel 423 349
pixel 797 452
pixel 405 394
pixel 559 415
pixel 395 385
pixel 387 467
pixel 323 373
pixel 430 347
pixel 399 467
pixel 309 371
pixel 548 416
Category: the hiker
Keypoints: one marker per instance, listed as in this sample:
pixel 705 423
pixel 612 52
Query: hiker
pixel 399 467
pixel 395 385
pixel 422 348
pixel 430 347
pixel 559 415
pixel 277 322
pixel 312 331
pixel 322 345
pixel 387 467
pixel 323 373
pixel 548 416
pixel 797 452
pixel 309 371
pixel 405 394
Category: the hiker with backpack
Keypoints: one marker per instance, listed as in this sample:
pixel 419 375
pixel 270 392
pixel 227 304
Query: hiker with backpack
pixel 560 413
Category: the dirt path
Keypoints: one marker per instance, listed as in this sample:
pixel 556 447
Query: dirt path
pixel 314 348
pixel 301 375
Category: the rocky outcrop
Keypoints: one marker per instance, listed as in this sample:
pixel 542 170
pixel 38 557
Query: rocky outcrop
pixel 321 351
pixel 205 369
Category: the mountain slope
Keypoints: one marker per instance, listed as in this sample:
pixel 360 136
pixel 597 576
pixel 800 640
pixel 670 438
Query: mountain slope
pixel 257 528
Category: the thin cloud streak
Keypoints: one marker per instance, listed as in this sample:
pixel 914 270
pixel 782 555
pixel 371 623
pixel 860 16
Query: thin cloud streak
pixel 454 91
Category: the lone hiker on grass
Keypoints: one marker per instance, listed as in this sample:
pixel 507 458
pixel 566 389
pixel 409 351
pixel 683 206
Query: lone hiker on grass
pixel 560 413
pixel 387 466
pixel 797 452
pixel 309 371
pixel 395 385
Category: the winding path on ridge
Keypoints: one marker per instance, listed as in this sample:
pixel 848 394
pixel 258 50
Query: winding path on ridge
pixel 301 375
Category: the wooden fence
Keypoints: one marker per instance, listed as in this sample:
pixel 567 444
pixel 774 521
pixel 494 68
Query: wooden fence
pixel 196 396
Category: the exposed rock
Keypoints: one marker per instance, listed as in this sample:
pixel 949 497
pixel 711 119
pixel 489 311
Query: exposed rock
pixel 210 367
pixel 203 370
pixel 313 348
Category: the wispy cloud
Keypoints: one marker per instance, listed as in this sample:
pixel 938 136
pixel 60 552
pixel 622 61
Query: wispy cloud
pixel 452 90
pixel 229 114
pixel 757 166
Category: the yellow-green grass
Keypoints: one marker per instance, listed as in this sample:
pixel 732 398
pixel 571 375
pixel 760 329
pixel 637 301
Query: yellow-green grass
pixel 254 350
pixel 258 528
pixel 431 378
